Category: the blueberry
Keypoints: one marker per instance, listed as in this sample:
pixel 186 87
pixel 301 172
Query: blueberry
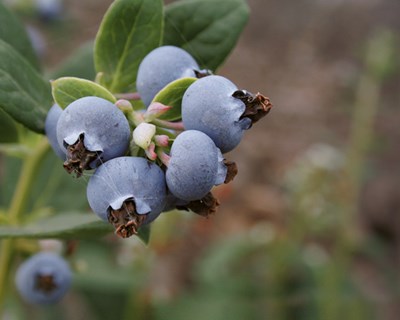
pixel 43 279
pixel 127 192
pixel 195 166
pixel 215 106
pixel 160 67
pixel 92 130
pixel 49 10
pixel 50 127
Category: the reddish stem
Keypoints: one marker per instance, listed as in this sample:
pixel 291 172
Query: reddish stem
pixel 178 126
pixel 128 96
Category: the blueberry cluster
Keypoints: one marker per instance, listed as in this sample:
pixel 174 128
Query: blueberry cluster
pixel 143 165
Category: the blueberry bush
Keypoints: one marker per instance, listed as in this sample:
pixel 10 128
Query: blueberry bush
pixel 143 133
pixel 111 160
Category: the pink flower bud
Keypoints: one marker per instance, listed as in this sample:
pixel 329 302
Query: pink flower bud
pixel 161 140
pixel 155 110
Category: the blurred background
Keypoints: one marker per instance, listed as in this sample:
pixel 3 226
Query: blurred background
pixel 310 227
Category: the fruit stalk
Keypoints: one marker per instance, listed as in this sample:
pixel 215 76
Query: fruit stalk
pixel 17 207
pixel 178 126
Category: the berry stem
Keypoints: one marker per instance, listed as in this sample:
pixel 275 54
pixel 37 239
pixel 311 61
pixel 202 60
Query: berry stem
pixel 178 126
pixel 164 158
pixel 128 96
pixel 17 207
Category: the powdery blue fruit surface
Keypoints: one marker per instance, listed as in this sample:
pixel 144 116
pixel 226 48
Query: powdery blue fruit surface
pixel 208 106
pixel 160 67
pixel 104 126
pixel 196 165
pixel 43 279
pixel 50 127
pixel 126 178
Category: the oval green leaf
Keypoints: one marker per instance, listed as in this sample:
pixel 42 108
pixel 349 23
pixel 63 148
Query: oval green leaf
pixel 207 29
pixel 8 130
pixel 13 32
pixel 24 94
pixel 129 31
pixel 68 89
pixel 171 95
pixel 66 225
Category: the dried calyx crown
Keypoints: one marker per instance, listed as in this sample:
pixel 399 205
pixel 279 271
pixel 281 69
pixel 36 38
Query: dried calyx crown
pixel 78 157
pixel 126 220
pixel 45 283
pixel 257 105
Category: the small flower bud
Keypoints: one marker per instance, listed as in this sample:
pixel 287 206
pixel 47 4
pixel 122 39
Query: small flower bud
pixel 161 140
pixel 155 110
pixel 143 134
pixel 124 105
pixel 150 152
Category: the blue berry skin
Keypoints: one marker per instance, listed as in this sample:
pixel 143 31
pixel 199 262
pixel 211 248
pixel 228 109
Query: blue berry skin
pixel 104 126
pixel 43 279
pixel 195 166
pixel 160 67
pixel 126 178
pixel 49 10
pixel 50 128
pixel 208 106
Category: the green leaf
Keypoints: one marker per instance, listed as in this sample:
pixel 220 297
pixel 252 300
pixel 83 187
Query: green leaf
pixel 129 31
pixel 65 225
pixel 68 89
pixel 171 95
pixel 144 233
pixel 13 32
pixel 8 130
pixel 80 64
pixel 24 94
pixel 207 29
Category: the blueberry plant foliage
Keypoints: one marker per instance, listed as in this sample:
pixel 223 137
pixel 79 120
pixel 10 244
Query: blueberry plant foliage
pixel 134 158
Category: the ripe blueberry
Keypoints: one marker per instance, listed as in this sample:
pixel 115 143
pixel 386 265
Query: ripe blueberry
pixel 92 130
pixel 50 127
pixel 127 192
pixel 162 66
pixel 216 107
pixel 43 279
pixel 195 166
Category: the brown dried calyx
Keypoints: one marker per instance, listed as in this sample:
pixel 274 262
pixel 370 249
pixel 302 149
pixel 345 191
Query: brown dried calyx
pixel 204 207
pixel 257 106
pixel 125 220
pixel 231 172
pixel 202 73
pixel 45 283
pixel 78 157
